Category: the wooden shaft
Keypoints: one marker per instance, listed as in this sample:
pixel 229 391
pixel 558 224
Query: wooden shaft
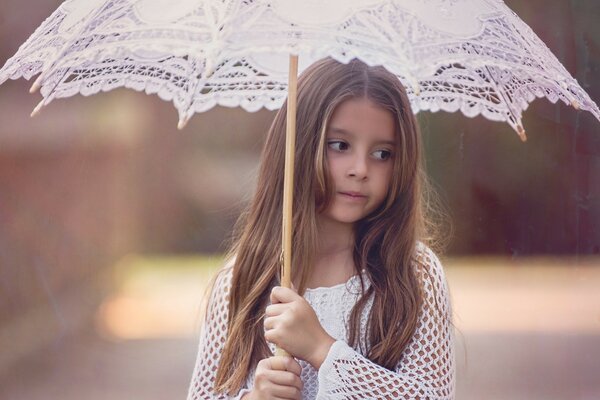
pixel 288 183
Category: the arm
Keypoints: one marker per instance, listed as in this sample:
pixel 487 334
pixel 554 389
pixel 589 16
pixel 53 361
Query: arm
pixel 427 369
pixel 212 339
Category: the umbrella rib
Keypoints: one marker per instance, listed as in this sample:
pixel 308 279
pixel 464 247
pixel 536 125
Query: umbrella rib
pixel 189 101
pixel 516 124
pixel 52 64
pixel 183 120
pixel 400 55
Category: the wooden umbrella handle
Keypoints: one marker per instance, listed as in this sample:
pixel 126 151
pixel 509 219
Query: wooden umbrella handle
pixel 288 183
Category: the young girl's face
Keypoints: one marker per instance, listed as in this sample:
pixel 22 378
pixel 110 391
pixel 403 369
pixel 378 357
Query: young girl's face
pixel 359 152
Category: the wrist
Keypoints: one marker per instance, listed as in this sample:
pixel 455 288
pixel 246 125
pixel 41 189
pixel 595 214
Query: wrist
pixel 321 352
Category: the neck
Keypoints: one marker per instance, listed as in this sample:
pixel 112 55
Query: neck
pixel 335 238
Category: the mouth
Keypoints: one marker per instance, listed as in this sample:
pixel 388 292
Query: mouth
pixel 353 195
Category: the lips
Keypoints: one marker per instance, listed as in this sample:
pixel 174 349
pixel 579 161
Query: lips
pixel 354 194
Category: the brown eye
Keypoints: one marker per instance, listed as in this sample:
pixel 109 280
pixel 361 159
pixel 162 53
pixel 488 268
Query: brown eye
pixel 337 145
pixel 385 155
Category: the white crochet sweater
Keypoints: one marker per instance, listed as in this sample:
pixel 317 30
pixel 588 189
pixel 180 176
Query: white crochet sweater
pixel 426 370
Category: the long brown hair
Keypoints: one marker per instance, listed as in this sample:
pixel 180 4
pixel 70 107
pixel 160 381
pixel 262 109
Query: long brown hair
pixel 385 240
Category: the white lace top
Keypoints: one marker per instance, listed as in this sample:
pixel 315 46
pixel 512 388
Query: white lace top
pixel 426 370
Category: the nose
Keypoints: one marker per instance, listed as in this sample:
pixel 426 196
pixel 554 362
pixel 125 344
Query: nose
pixel 358 167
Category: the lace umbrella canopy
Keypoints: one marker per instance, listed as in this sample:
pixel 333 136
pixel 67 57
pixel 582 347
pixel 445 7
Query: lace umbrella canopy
pixel 475 56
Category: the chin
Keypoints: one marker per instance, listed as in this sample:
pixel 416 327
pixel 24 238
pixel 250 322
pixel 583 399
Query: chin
pixel 347 219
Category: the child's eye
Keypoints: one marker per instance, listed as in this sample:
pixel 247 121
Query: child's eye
pixel 385 154
pixel 341 146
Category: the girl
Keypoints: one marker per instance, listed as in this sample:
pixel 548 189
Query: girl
pixel 369 316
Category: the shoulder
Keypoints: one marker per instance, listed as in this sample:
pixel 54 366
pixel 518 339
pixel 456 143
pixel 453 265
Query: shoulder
pixel 225 273
pixel 427 261
pixel 220 284
pixel 430 272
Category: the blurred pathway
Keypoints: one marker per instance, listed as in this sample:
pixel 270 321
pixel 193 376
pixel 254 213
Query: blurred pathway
pixel 524 332
pixel 90 368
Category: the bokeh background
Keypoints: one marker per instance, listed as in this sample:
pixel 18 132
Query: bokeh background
pixel 112 222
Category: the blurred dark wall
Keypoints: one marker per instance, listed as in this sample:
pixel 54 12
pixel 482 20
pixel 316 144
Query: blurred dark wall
pixel 63 216
pixel 68 210
pixel 538 197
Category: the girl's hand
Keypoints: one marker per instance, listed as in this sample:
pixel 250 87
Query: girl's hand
pixel 276 377
pixel 291 323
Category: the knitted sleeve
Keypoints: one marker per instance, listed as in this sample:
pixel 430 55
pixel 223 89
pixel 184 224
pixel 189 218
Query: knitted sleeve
pixel 427 368
pixel 212 339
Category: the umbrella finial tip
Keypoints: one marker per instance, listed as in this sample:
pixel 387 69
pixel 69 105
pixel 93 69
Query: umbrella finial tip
pixel 182 123
pixel 37 109
pixel 34 88
pixel 417 89
pixel 36 85
pixel 521 132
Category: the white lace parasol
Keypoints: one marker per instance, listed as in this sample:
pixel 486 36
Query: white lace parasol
pixel 475 56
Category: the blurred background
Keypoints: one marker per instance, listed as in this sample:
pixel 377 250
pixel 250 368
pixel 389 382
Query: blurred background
pixel 112 222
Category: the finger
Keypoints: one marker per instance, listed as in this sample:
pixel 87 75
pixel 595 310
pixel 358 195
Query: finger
pixel 284 378
pixel 285 392
pixel 276 363
pixel 280 294
pixel 271 337
pixel 269 323
pixel 293 366
pixel 275 309
pixel 279 385
pixel 285 363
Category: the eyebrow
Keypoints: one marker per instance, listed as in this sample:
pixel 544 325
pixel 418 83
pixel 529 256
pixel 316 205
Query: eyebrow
pixel 344 132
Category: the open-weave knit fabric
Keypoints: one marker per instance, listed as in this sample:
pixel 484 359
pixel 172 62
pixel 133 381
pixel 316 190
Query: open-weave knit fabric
pixel 426 370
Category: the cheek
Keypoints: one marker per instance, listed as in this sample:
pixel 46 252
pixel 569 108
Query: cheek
pixel 384 184
pixel 335 165
pixel 385 175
